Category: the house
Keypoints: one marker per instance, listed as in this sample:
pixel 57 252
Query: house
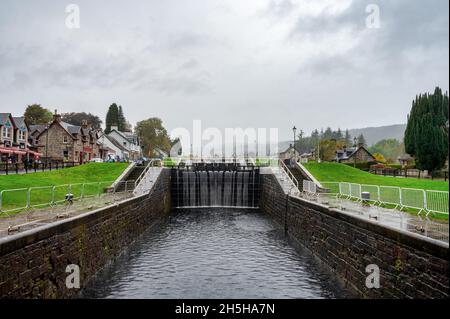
pixel 129 141
pixel 405 160
pixel 113 149
pixel 14 145
pixel 291 152
pixel 357 154
pixel 62 141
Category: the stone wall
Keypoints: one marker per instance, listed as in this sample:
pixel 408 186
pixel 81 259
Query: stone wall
pixel 410 266
pixel 33 263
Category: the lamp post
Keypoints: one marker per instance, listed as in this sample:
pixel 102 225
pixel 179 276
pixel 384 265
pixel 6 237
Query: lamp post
pixel 354 152
pixel 46 145
pixel 294 129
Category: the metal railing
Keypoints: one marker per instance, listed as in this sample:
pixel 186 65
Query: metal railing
pixel 16 200
pixel 288 173
pixel 427 201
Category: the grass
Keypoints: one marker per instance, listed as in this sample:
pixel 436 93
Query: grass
pixel 334 172
pixel 52 184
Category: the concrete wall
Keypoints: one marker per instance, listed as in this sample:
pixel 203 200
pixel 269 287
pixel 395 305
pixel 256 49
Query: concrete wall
pixel 33 263
pixel 411 266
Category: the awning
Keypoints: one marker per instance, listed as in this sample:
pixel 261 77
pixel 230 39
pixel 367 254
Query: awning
pixel 6 150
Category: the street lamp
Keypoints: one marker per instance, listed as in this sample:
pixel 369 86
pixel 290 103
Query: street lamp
pixel 294 129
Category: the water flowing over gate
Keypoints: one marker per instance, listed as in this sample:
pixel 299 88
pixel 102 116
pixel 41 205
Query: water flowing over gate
pixel 215 185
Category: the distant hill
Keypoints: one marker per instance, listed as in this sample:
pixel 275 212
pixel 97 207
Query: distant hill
pixel 371 134
pixel 375 134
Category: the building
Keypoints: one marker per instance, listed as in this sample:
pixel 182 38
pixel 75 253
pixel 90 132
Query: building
pixel 14 144
pixel 62 141
pixel 289 153
pixel 354 154
pixel 113 149
pixel 128 141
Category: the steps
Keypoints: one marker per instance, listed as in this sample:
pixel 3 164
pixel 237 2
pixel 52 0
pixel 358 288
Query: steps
pixel 128 182
pixel 298 176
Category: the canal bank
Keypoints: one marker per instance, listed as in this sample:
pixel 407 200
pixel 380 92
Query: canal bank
pixel 34 264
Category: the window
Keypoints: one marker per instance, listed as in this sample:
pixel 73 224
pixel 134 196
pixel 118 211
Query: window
pixel 6 132
pixel 65 140
pixel 66 155
pixel 36 142
pixel 22 135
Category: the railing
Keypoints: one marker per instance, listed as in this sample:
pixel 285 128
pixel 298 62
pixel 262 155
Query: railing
pixel 399 198
pixel 288 173
pixel 16 200
pixel 16 168
pixel 144 181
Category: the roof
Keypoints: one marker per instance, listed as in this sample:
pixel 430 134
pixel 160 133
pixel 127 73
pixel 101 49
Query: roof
pixel 289 148
pixel 72 129
pixel 38 128
pixel 4 117
pixel 349 152
pixel 115 143
pixel 20 122
pixel 130 137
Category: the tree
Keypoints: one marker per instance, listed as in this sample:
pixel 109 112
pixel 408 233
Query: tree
pixel 328 149
pixel 35 114
pixel 152 134
pixel 426 135
pixel 379 158
pixel 78 118
pixel 112 117
pixel 347 138
pixel 361 140
pixel 391 149
pixel 121 121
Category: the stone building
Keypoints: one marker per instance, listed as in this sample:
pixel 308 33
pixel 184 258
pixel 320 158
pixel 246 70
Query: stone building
pixel 63 141
pixel 354 154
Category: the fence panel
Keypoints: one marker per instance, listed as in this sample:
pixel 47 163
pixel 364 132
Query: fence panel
pixel 413 198
pixel 60 193
pixel 344 189
pixel 373 190
pixel 13 199
pixel 437 201
pixel 355 191
pixel 309 187
pixel 41 196
pixel 390 195
pixel 331 187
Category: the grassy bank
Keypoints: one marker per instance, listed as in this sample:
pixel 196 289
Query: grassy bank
pixel 334 172
pixel 51 187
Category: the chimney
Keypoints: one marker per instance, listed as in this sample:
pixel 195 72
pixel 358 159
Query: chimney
pixel 56 117
pixel 114 127
pixel 85 124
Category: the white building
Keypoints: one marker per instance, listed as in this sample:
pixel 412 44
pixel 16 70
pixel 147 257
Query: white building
pixel 125 144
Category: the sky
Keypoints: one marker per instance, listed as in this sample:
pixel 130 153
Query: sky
pixel 228 63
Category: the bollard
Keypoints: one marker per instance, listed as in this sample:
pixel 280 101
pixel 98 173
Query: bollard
pixel 365 196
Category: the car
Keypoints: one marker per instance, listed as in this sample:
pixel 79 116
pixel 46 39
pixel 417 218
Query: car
pixel 96 160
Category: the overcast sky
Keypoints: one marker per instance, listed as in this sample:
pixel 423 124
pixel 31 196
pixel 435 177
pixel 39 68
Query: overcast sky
pixel 230 63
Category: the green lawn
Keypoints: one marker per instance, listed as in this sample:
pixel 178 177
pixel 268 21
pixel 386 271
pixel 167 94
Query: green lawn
pixel 334 172
pixel 51 186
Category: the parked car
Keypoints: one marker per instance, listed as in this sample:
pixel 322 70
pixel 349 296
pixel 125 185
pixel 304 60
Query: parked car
pixel 96 160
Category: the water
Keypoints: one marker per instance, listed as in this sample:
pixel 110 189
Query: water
pixel 215 188
pixel 214 253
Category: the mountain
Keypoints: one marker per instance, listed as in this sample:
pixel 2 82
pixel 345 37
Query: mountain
pixel 375 134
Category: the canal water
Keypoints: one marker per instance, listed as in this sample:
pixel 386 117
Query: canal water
pixel 214 253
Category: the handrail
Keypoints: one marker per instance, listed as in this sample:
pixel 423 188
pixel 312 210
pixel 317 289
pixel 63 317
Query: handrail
pixel 146 169
pixel 289 173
